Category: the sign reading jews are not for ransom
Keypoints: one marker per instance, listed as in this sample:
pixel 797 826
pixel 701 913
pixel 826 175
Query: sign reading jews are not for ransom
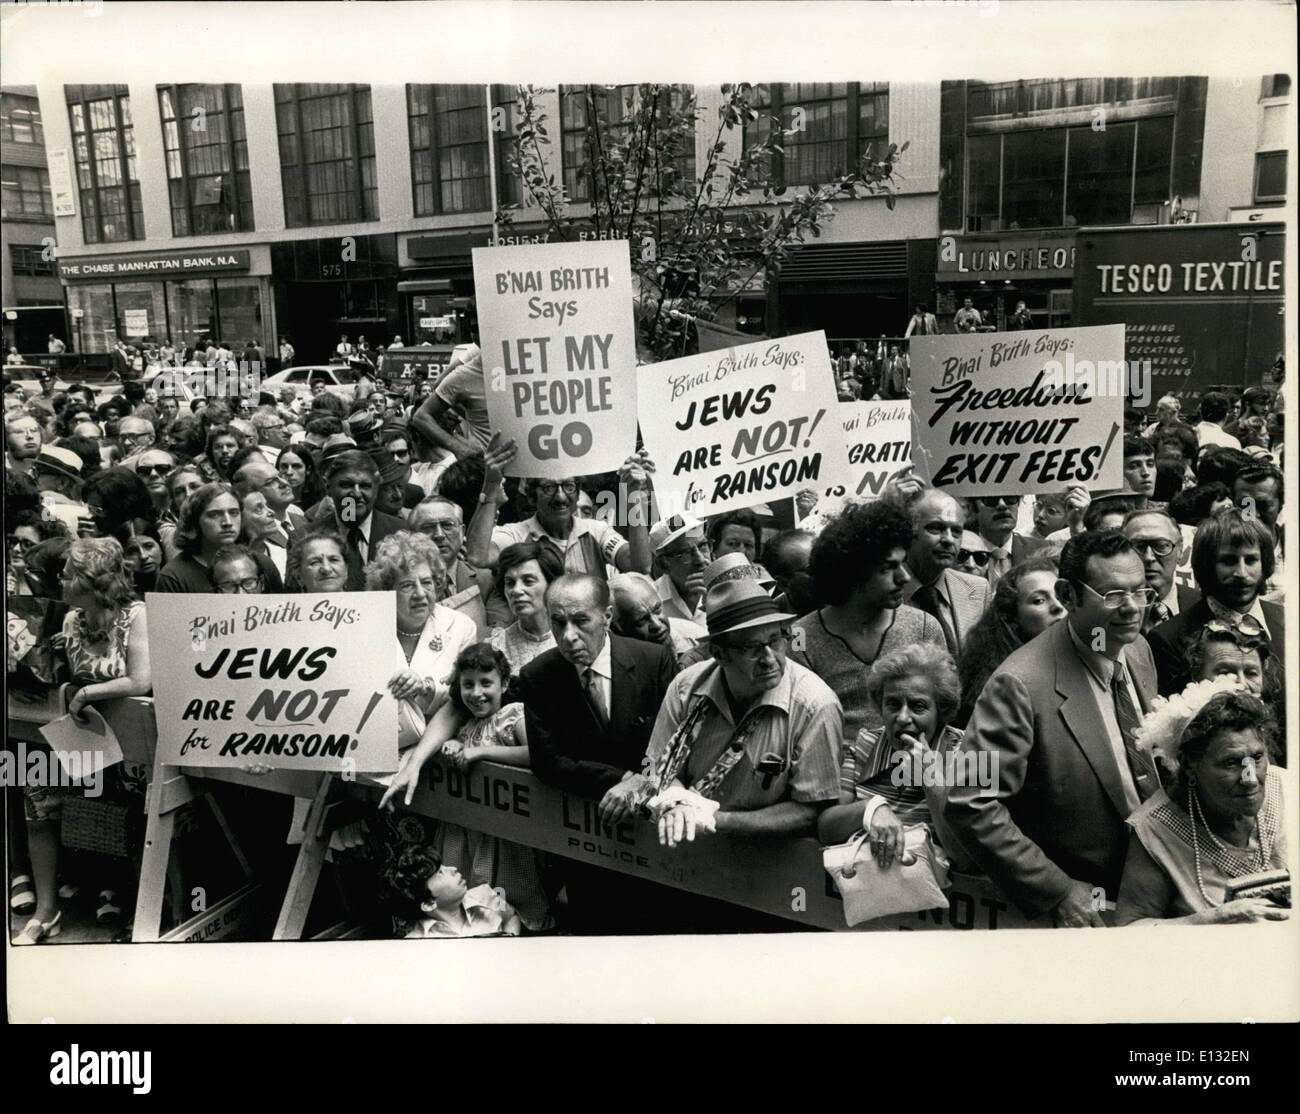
pixel 741 426
pixel 288 681
pixel 1017 413
pixel 559 354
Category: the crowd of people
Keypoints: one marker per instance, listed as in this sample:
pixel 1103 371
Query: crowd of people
pixel 744 675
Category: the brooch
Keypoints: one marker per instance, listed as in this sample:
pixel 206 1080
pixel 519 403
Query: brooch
pixel 435 644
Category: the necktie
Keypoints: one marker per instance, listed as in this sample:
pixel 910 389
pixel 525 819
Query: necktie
pixel 591 683
pixel 1140 763
pixel 927 599
pixel 1157 613
pixel 352 555
pixel 999 565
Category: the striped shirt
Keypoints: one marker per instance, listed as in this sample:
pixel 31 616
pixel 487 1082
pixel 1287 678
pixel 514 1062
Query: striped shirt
pixel 867 770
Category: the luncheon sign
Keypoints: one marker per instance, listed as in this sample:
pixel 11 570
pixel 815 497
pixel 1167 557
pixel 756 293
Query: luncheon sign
pixel 559 354
pixel 1036 411
pixel 288 681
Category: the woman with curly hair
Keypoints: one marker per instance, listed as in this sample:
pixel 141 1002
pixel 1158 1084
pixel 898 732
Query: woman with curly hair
pixel 858 570
pixel 106 642
pixel 429 635
pixel 1220 821
pixel 1024 605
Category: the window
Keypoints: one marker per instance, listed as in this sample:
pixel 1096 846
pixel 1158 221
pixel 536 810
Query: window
pixel 29 259
pixel 505 107
pixel 1074 176
pixel 1011 99
pixel 327 153
pixel 103 139
pixel 615 109
pixel 207 158
pixel 26 193
pixel 1270 176
pixel 835 126
pixel 20 119
pixel 1275 85
pixel 449 148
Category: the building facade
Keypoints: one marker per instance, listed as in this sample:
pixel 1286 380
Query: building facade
pixel 33 295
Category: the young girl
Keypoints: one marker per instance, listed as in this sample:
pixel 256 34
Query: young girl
pixel 490 733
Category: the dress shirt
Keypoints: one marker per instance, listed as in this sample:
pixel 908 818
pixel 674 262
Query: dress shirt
pixel 604 672
pixel 1100 670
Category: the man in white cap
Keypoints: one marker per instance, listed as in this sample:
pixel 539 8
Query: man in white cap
pixel 683 552
pixel 58 476
pixel 460 388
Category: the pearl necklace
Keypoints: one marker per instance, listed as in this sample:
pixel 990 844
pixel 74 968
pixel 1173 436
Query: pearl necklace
pixel 1193 813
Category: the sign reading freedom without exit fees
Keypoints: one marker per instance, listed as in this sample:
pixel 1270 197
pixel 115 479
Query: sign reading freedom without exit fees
pixel 288 681
pixel 741 426
pixel 1017 413
pixel 559 354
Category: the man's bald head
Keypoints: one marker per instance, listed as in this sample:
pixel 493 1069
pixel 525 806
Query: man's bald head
pixel 938 520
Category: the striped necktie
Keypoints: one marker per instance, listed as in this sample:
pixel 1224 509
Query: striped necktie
pixel 1140 763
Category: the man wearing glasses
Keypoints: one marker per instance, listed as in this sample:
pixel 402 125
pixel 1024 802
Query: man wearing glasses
pixel 585 545
pixel 995 522
pixel 1159 542
pixel 1059 720
pixel 443 522
pixel 153 466
pixel 236 572
pixel 683 551
pixel 749 729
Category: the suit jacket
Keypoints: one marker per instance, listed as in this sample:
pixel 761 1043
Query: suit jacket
pixel 1058 810
pixel 1169 642
pixel 569 749
pixel 970 596
pixel 381 525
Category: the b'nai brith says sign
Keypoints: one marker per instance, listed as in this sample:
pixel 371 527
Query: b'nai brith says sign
pixel 157 265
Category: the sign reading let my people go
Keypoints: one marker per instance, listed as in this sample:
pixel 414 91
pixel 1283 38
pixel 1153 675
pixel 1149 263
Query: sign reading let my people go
pixel 740 426
pixel 288 681
pixel 1018 413
pixel 559 354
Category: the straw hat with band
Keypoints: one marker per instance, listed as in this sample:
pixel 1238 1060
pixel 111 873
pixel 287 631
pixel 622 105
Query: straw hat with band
pixel 735 605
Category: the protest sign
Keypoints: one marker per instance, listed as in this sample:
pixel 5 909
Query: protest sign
pixel 742 426
pixel 559 354
pixel 1010 413
pixel 879 438
pixel 288 681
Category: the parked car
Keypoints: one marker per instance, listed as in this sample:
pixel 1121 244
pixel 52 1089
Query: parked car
pixel 339 380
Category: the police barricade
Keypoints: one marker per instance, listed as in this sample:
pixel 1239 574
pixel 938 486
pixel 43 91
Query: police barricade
pixel 781 876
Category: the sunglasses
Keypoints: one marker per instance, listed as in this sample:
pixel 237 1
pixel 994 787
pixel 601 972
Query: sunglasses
pixel 979 556
pixel 991 501
pixel 153 469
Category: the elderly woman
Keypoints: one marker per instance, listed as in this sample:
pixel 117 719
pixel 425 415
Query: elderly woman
pixel 429 635
pixel 262 532
pixel 1024 605
pixel 106 642
pixel 317 560
pixel 1221 820
pixel 915 692
pixel 210 519
pixel 857 566
pixel 524 572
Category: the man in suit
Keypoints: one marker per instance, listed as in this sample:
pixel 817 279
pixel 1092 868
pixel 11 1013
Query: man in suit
pixel 352 479
pixel 1159 542
pixel 995 522
pixel 955 599
pixel 1059 719
pixel 589 707
pixel 1232 559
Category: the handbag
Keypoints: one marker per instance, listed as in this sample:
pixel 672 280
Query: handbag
pixel 915 883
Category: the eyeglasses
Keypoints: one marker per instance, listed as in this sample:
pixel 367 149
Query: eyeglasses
pixel 439 526
pixel 23 545
pixel 702 547
pixel 550 487
pixel 979 556
pixel 991 501
pixel 153 469
pixel 1245 627
pixel 1161 547
pixel 233 587
pixel 1116 598
pixel 753 651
